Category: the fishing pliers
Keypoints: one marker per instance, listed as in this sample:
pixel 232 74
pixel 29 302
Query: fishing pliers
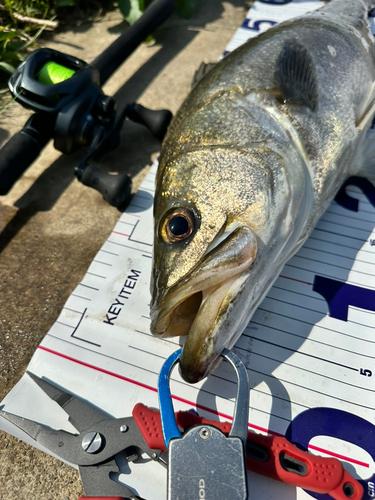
pixel 97 446
pixel 102 442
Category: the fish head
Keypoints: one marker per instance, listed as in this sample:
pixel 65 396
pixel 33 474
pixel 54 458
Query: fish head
pixel 216 213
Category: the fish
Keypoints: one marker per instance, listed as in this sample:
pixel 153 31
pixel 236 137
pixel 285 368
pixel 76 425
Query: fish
pixel 252 159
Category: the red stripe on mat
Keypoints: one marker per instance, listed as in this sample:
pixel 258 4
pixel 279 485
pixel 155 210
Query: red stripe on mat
pixel 190 403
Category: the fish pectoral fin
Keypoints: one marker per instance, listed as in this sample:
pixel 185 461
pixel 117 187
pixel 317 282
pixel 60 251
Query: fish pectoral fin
pixel 296 76
pixel 201 72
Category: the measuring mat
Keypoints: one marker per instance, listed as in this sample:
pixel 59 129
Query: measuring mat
pixel 309 349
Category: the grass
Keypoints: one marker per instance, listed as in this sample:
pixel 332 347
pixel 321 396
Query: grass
pixel 22 22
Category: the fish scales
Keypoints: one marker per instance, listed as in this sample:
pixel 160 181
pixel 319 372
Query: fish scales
pixel 250 162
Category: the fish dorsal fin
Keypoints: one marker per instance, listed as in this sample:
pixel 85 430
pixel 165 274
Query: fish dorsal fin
pixel 202 71
pixel 295 75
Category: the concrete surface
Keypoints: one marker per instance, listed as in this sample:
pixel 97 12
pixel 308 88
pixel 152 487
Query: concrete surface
pixel 51 226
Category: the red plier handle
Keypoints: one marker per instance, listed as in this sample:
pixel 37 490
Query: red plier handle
pixel 271 456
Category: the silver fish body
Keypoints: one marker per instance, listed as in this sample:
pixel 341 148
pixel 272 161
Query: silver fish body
pixel 250 162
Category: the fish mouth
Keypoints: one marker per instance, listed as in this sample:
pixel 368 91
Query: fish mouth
pixel 197 306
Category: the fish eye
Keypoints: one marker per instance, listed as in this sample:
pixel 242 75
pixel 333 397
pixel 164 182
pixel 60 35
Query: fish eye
pixel 178 225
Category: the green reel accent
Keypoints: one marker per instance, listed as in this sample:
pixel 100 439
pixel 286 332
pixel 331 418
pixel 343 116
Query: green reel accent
pixel 52 73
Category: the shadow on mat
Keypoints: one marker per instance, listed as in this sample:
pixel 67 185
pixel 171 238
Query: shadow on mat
pixel 137 143
pixel 272 337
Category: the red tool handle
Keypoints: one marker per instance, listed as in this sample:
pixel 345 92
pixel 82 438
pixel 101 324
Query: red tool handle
pixel 279 459
pixel 149 423
pixel 270 456
pixel 291 465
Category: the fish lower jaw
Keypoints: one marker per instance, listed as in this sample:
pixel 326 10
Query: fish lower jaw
pixel 177 321
pixel 205 288
pixel 198 317
pixel 202 307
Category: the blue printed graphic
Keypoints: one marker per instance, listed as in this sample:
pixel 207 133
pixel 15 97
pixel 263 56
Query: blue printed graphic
pixel 337 424
pixel 275 2
pixel 346 201
pixel 340 296
pixel 259 25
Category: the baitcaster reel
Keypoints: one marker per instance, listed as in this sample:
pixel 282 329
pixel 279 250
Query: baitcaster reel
pixel 70 107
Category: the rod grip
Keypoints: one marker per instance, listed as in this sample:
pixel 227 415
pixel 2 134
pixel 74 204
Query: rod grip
pixel 23 149
pixel 15 157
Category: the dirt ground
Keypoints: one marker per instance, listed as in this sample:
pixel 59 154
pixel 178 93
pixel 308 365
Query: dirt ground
pixel 51 226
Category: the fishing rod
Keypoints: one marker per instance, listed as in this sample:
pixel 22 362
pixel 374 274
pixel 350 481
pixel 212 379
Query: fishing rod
pixel 70 107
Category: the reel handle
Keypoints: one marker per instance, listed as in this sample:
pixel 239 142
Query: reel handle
pixel 116 189
pixel 156 121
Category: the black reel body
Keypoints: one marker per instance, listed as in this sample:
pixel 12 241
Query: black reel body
pixel 30 90
pixel 76 103
pixel 70 107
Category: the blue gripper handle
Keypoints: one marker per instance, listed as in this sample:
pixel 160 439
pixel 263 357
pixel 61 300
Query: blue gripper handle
pixel 168 419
